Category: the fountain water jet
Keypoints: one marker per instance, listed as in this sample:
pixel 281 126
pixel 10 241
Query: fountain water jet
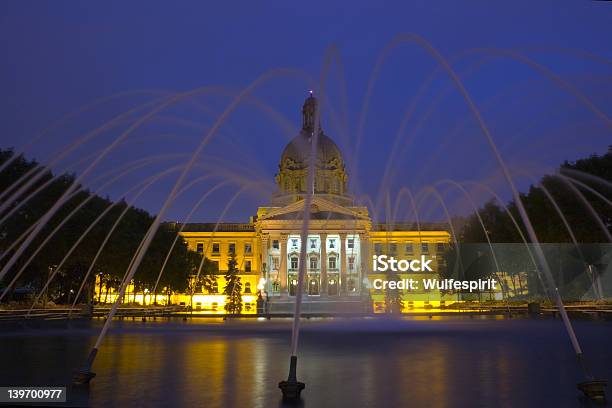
pixel 586 386
pixel 147 183
pixel 187 218
pixel 514 222
pixel 292 388
pixel 227 207
pixel 85 375
pixel 91 196
pixel 123 118
pixel 484 229
pixel 412 38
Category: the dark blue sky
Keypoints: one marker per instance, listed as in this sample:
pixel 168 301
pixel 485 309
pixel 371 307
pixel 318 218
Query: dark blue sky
pixel 58 57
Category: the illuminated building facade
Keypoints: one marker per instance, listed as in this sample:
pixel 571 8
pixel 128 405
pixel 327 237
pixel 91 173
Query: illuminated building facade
pixel 340 244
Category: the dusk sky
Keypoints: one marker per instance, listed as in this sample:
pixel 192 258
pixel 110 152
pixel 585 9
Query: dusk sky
pixel 61 56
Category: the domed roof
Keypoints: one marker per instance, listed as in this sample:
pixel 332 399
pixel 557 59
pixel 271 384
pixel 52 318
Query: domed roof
pixel 329 179
pixel 297 151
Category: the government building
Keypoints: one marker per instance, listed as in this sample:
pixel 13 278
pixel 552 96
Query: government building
pixel 341 242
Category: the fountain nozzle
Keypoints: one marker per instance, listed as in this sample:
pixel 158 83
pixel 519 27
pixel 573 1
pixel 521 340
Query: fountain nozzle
pixel 85 375
pixel 291 388
pixel 594 389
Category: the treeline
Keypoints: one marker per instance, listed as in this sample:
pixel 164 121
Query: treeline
pixel 576 269
pixel 41 258
pixel 545 218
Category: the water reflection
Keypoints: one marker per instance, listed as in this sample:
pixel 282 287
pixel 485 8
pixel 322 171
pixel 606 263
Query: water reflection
pixel 442 363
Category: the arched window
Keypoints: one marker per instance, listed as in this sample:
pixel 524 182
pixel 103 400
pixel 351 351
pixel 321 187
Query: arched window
pixel 332 287
pixel 294 262
pixel 247 287
pixel 313 287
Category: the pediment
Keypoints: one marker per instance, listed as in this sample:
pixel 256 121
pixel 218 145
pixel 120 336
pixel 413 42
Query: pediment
pixel 320 209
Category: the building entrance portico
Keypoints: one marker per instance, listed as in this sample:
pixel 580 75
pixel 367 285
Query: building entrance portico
pixel 333 261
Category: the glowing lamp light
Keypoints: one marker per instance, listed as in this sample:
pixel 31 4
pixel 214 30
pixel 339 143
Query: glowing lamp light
pixel 262 284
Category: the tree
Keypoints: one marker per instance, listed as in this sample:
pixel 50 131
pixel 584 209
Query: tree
pixel 111 265
pixel 497 225
pixel 233 287
pixel 543 214
pixel 467 262
pixel 393 297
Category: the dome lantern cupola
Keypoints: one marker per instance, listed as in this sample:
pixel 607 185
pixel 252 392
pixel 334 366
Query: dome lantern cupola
pixel 309 112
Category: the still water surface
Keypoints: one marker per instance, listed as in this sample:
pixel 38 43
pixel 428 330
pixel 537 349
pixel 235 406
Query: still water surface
pixel 444 362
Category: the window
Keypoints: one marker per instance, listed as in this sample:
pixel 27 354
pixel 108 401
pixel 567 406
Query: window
pixel 351 263
pixel 275 262
pixel 247 287
pixel 215 248
pixel 247 266
pixel 314 264
pixel 440 247
pixel 332 243
pixel 199 247
pixel 294 262
pixel 409 249
pixel 332 262
pixel 247 248
pixel 215 287
pixel 351 285
pixel 313 287
pixel 425 247
pixel 378 248
pixel 275 244
pixel 292 287
pixel 313 244
pixel 294 243
pixel 393 248
pixel 350 243
pixel 232 248
pixel 332 286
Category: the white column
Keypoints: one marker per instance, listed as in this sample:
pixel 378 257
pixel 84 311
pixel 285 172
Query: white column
pixel 323 263
pixel 342 259
pixel 283 264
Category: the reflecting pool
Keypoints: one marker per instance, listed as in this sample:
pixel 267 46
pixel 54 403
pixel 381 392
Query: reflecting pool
pixel 439 362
